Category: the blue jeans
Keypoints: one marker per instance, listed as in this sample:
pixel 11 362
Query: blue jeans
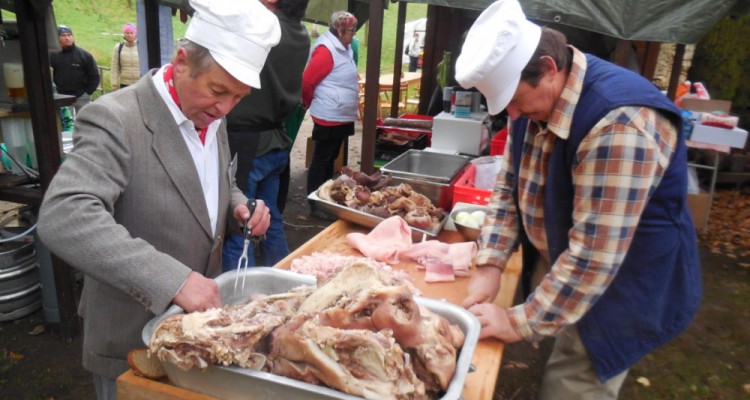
pixel 262 183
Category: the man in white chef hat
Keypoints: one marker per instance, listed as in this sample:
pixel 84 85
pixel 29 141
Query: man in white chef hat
pixel 593 187
pixel 142 202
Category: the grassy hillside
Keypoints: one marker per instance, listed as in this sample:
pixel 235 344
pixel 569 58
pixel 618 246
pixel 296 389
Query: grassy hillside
pixel 97 27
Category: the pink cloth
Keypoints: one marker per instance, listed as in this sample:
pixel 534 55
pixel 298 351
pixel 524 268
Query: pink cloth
pixel 385 241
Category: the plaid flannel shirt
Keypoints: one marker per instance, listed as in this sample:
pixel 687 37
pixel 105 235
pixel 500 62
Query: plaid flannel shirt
pixel 619 164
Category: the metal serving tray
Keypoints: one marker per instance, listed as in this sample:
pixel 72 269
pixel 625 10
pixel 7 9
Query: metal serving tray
pixel 426 166
pixel 236 383
pixel 368 220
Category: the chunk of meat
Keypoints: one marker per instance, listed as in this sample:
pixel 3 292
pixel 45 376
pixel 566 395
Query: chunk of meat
pixel 229 335
pixel 360 362
pixel 362 297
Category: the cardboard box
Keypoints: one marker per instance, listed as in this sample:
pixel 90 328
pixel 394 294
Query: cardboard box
pixel 464 135
pixel 724 137
pixel 721 106
pixel 336 165
pixel 699 205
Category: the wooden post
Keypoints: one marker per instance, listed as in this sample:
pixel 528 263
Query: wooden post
pixel 674 77
pixel 372 78
pixel 398 61
pixel 33 33
pixel 151 12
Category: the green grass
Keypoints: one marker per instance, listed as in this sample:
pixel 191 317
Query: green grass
pixel 97 25
pixel 413 12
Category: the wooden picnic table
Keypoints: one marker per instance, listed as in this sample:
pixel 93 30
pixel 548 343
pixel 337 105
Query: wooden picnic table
pixel 480 384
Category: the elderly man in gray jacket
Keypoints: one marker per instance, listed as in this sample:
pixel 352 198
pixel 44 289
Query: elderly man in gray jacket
pixel 141 203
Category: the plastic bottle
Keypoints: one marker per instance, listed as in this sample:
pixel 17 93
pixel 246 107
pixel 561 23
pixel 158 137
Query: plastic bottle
pixel 682 90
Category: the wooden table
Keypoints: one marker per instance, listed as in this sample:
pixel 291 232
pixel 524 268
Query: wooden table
pixel 480 384
pixel 408 82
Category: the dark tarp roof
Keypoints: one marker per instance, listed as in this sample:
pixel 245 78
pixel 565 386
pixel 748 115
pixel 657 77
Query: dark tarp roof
pixel 674 21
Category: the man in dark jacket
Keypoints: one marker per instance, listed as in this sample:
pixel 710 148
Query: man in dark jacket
pixel 256 128
pixel 74 69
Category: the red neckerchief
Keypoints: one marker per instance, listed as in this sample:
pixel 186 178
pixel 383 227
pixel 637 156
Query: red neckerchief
pixel 168 72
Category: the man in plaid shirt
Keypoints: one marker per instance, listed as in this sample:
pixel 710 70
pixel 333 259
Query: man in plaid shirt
pixel 593 187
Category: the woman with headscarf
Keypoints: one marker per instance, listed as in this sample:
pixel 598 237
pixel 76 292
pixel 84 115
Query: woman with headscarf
pixel 125 69
pixel 330 90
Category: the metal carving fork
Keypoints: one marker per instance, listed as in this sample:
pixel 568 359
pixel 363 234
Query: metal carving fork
pixel 242 262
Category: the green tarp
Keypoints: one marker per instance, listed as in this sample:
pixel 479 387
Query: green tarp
pixel 673 21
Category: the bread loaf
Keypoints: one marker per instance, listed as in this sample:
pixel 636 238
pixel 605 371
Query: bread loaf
pixel 144 365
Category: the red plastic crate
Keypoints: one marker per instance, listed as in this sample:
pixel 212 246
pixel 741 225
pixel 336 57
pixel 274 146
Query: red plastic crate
pixel 465 192
pixel 497 144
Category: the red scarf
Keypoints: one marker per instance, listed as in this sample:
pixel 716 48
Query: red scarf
pixel 168 73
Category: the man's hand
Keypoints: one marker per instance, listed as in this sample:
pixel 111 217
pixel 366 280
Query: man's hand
pixel 259 221
pixel 495 322
pixel 483 286
pixel 198 294
pixel 115 87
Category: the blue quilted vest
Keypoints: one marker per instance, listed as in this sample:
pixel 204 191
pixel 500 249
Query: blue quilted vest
pixel 657 289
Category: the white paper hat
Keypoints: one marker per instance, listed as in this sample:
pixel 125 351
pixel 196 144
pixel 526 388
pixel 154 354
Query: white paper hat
pixel 239 35
pixel 496 50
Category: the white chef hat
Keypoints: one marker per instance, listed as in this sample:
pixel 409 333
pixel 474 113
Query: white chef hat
pixel 238 34
pixel 496 50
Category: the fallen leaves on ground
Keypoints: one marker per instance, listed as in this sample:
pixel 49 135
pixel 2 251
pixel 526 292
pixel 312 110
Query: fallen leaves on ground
pixel 39 329
pixel 643 381
pixel 15 356
pixel 516 364
pixel 728 230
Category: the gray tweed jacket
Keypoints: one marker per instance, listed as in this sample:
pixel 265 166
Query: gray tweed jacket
pixel 127 209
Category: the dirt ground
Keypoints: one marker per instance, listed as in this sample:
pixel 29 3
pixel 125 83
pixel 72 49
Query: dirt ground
pixel 711 360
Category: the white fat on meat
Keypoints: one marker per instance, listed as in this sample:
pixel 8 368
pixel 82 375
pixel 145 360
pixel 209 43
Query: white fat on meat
pixel 324 264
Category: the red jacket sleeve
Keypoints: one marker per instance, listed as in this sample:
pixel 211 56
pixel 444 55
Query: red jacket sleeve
pixel 320 65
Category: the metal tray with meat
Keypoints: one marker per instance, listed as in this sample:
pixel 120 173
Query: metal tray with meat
pixel 231 382
pixel 369 220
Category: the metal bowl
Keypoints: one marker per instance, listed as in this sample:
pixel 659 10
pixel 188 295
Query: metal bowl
pixel 468 232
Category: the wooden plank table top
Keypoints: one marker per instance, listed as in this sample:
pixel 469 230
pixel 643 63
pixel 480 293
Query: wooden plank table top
pixel 480 384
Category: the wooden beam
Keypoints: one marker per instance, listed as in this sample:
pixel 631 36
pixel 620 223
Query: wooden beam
pixel 430 58
pixel 33 34
pixel 650 59
pixel 372 78
pixel 151 13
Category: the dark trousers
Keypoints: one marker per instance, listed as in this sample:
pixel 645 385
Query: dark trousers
pixel 327 144
pixel 284 180
pixel 413 63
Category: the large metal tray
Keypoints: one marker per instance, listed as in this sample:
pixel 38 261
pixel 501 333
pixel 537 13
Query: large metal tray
pixel 236 383
pixel 426 166
pixel 368 220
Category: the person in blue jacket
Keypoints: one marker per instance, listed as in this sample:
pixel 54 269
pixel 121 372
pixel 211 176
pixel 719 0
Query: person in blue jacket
pixel 593 188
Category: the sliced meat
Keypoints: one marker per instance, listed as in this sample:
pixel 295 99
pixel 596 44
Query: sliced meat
pixel 385 241
pixel 435 255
